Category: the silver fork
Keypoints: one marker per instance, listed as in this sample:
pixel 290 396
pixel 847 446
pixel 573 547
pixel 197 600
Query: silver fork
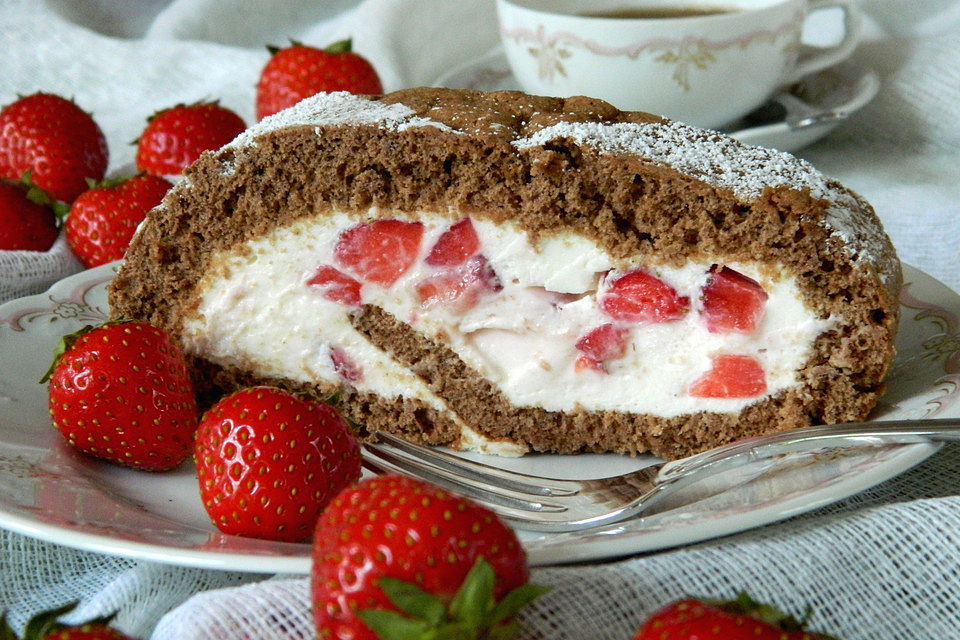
pixel 546 504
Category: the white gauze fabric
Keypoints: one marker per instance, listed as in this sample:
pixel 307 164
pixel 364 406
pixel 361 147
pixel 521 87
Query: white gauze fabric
pixel 882 564
pixel 23 273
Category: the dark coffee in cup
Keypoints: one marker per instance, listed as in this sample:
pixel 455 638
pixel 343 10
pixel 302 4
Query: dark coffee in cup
pixel 633 13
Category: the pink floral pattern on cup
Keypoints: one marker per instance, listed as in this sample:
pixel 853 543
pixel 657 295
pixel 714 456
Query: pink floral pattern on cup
pixel 551 49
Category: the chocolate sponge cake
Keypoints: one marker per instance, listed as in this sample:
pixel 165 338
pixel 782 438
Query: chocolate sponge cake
pixel 514 273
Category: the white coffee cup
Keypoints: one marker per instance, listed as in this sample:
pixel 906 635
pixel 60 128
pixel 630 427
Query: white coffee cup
pixel 707 69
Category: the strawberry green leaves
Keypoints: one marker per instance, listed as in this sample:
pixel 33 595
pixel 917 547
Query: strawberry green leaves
pixel 473 614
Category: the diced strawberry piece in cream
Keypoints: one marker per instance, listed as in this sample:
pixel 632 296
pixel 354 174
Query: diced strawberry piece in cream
pixel 459 289
pixel 731 376
pixel 345 366
pixel 381 251
pixel 637 296
pixel 455 246
pixel 586 363
pixel 335 285
pixel 732 302
pixel 600 345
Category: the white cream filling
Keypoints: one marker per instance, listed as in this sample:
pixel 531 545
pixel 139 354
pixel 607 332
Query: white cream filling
pixel 254 307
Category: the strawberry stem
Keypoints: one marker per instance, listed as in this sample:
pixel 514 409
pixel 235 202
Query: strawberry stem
pixel 412 600
pixel 39 196
pixel 473 613
pixel 768 614
pixel 340 46
pixel 107 183
pixel 62 347
pixel 45 624
pixel 474 599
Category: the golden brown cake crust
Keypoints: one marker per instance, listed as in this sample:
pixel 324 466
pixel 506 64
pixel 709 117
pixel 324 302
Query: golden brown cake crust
pixel 510 156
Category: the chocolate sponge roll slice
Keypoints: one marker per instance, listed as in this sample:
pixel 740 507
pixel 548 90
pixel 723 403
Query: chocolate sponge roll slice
pixel 514 273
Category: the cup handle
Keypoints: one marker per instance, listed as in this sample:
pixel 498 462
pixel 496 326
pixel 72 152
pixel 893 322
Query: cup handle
pixel 829 56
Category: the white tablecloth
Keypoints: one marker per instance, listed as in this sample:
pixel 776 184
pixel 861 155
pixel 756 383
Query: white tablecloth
pixel 883 564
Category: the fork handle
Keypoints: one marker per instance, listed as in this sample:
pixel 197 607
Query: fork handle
pixel 812 438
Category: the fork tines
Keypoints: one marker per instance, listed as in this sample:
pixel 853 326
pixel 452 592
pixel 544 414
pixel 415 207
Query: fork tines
pixel 509 493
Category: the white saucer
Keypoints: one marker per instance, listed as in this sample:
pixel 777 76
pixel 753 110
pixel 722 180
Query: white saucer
pixel 807 111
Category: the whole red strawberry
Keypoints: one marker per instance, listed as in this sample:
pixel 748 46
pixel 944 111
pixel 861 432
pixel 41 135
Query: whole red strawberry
pixel 300 71
pixel 694 619
pixel 122 392
pixel 268 462
pixel 55 140
pixel 175 137
pixel 44 626
pixel 392 554
pixel 103 219
pixel 27 221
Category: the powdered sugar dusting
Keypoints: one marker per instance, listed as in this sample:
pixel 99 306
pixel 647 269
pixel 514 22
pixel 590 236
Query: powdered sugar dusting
pixel 726 163
pixel 338 108
pixel 709 156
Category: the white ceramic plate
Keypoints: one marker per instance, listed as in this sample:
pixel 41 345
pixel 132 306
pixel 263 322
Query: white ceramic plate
pixel 50 492
pixel 809 110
